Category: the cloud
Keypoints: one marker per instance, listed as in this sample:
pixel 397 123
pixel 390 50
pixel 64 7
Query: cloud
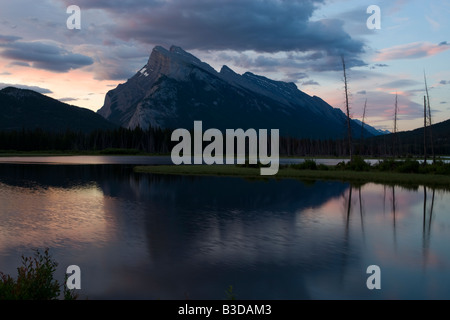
pixel 45 55
pixel 396 6
pixel 363 92
pixel 21 86
pixel 402 83
pixel 118 62
pixel 310 83
pixel 294 76
pixel 19 63
pixel 67 99
pixel 286 62
pixel 414 50
pixel 8 39
pixel 379 65
pixel 126 5
pixel 236 25
pixel 113 72
pixel 433 23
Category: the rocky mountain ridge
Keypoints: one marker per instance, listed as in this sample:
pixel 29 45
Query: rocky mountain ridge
pixel 175 88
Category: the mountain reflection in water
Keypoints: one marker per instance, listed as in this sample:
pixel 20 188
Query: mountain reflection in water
pixel 143 236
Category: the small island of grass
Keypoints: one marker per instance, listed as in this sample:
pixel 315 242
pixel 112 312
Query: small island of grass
pixel 392 172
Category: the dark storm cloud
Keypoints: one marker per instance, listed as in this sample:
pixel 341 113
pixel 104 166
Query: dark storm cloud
pixel 310 62
pixel 7 39
pixel 20 63
pixel 44 55
pixel 128 5
pixel 238 25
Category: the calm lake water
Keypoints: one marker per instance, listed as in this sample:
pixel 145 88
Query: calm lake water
pixel 144 236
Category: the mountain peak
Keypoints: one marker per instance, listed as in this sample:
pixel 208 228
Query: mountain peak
pixel 174 62
pixel 174 53
pixel 179 50
pixel 225 69
pixel 176 88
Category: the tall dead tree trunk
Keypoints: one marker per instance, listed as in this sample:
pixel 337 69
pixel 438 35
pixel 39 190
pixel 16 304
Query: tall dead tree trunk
pixel 424 130
pixel 349 130
pixel 362 129
pixel 429 119
pixel 394 136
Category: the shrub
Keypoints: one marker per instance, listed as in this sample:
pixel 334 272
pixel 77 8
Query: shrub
pixel 306 165
pixel 35 280
pixel 340 165
pixel 438 167
pixel 386 165
pixel 358 164
pixel 442 168
pixel 408 166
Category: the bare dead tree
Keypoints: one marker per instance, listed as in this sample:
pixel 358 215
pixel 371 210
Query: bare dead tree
pixel 362 128
pixel 430 123
pixel 424 130
pixel 349 130
pixel 394 136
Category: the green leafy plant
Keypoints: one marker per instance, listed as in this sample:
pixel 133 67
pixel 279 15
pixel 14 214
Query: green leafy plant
pixel 230 294
pixel 35 280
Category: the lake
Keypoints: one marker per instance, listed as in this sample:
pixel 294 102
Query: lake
pixel 145 236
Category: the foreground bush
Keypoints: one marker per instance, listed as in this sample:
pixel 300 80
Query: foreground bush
pixel 35 280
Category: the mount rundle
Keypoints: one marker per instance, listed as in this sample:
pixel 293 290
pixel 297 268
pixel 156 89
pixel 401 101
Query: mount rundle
pixel 174 89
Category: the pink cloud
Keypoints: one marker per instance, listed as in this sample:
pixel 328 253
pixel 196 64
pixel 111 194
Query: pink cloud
pixel 413 50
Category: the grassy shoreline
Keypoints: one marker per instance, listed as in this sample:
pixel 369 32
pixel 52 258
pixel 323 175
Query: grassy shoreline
pixel 322 172
pixel 359 177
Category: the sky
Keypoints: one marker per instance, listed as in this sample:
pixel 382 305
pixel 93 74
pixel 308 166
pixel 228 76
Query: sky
pixel 300 41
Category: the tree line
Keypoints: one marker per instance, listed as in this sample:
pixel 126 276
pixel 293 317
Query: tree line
pixel 158 141
pixel 152 140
